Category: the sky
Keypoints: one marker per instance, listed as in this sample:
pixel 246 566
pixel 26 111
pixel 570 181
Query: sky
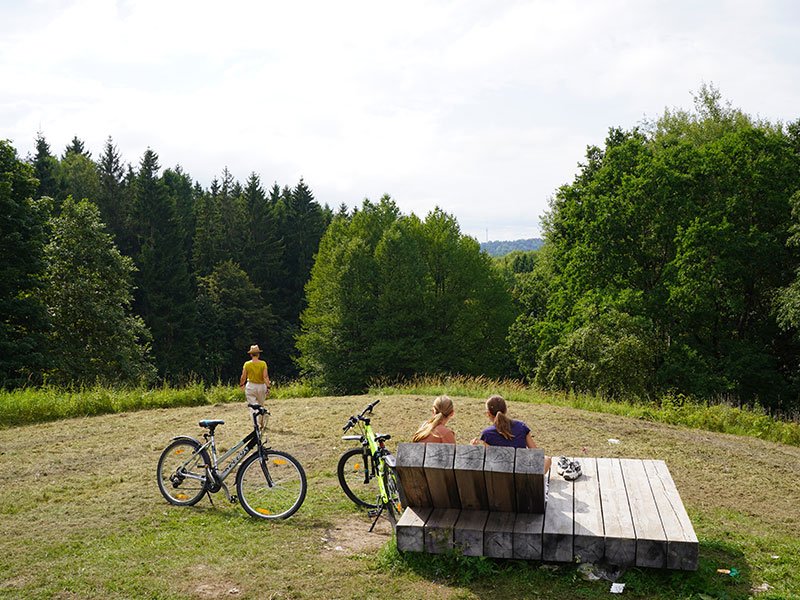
pixel 480 107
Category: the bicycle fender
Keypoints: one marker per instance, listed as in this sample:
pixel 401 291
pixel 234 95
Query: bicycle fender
pixel 187 438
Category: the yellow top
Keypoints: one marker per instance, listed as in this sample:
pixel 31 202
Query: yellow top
pixel 255 369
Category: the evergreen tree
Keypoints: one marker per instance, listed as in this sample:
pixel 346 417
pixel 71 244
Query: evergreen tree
pixel 23 321
pixel 95 336
pixel 234 316
pixel 113 197
pixel 76 146
pixel 45 167
pixel 164 298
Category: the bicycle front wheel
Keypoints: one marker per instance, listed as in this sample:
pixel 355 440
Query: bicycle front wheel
pixel 272 489
pixel 352 470
pixel 181 472
pixel 394 506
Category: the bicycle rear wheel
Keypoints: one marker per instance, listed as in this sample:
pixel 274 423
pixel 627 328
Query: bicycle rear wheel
pixel 394 506
pixel 351 471
pixel 274 489
pixel 181 472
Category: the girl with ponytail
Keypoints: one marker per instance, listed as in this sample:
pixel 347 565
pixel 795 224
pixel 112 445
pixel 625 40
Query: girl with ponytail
pixel 433 431
pixel 505 431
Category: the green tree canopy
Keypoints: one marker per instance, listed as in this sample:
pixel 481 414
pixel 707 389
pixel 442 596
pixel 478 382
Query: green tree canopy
pixel 391 296
pixel 95 336
pixel 23 321
pixel 675 234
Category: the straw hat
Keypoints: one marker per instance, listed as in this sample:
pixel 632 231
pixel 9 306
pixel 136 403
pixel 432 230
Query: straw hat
pixel 254 349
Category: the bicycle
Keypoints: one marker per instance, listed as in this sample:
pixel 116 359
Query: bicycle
pixel 270 484
pixel 368 474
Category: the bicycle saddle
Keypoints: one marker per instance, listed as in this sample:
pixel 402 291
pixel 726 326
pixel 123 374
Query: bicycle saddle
pixel 211 423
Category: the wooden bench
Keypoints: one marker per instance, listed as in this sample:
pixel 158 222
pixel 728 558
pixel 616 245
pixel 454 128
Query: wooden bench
pixel 490 501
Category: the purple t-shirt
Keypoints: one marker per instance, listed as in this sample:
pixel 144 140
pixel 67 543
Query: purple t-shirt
pixel 518 429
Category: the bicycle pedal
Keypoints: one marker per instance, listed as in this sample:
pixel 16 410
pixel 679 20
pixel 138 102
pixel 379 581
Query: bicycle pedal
pixel 234 499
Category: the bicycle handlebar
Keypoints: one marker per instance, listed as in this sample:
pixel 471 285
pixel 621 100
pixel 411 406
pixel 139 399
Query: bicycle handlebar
pixel 355 419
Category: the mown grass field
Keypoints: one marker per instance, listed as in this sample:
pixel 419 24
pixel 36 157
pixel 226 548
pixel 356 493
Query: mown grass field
pixel 81 515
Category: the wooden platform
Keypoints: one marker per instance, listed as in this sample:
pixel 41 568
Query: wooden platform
pixel 624 511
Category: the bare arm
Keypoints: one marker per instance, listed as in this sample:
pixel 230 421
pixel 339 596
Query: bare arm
pixel 529 441
pixel 243 378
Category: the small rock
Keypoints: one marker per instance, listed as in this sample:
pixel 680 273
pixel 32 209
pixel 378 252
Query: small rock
pixel 233 591
pixel 764 587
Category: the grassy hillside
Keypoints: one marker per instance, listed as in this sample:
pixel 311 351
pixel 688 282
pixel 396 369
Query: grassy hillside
pixel 82 516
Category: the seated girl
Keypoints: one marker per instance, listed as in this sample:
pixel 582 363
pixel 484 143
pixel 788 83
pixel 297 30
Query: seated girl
pixel 434 430
pixel 504 431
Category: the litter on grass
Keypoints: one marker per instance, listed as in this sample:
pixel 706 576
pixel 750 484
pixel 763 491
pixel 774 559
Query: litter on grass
pixel 617 588
pixel 613 441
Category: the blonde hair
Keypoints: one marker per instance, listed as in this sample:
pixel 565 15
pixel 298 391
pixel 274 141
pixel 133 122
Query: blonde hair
pixel 442 408
pixel 496 405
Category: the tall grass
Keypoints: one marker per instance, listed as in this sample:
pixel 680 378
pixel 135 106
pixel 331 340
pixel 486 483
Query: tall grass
pixel 35 405
pixel 671 409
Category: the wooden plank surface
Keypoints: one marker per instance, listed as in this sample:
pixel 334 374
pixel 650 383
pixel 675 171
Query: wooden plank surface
pixel 498 535
pixel 528 536
pixel 410 470
pixel 651 542
pixel 468 532
pixel 558 521
pixel 682 544
pixel 439 460
pixel 589 541
pixel 468 467
pixel 498 470
pixel 529 480
pixel 620 537
pixel 410 530
pixel 439 530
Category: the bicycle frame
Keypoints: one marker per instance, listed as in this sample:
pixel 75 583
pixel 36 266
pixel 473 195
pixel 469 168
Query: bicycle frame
pixel 216 478
pixel 374 450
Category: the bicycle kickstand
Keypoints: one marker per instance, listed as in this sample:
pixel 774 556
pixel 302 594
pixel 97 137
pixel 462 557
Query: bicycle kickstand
pixel 378 514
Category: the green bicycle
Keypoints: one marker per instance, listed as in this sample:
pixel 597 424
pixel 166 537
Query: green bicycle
pixel 368 474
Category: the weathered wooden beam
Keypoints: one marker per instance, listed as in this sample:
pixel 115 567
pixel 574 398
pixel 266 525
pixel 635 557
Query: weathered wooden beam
pixel 682 544
pixel 468 467
pixel 589 542
pixel 498 535
pixel 439 530
pixel 468 532
pixel 620 537
pixel 528 536
pixel 439 459
pixel 558 519
pixel 529 480
pixel 410 470
pixel 498 470
pixel 651 541
pixel 410 529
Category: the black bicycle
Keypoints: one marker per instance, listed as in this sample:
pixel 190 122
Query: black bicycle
pixel 270 484
pixel 367 474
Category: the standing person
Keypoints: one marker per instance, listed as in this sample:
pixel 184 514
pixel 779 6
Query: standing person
pixel 255 379
pixel 506 432
pixel 434 430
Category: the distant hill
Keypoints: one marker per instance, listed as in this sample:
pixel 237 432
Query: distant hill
pixel 502 248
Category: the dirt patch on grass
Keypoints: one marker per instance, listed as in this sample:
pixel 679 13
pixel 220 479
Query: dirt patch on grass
pixel 351 536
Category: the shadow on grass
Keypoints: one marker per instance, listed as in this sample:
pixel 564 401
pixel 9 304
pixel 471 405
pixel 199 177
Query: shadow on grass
pixel 490 578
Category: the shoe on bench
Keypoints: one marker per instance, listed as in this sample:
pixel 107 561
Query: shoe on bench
pixel 562 464
pixel 573 471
